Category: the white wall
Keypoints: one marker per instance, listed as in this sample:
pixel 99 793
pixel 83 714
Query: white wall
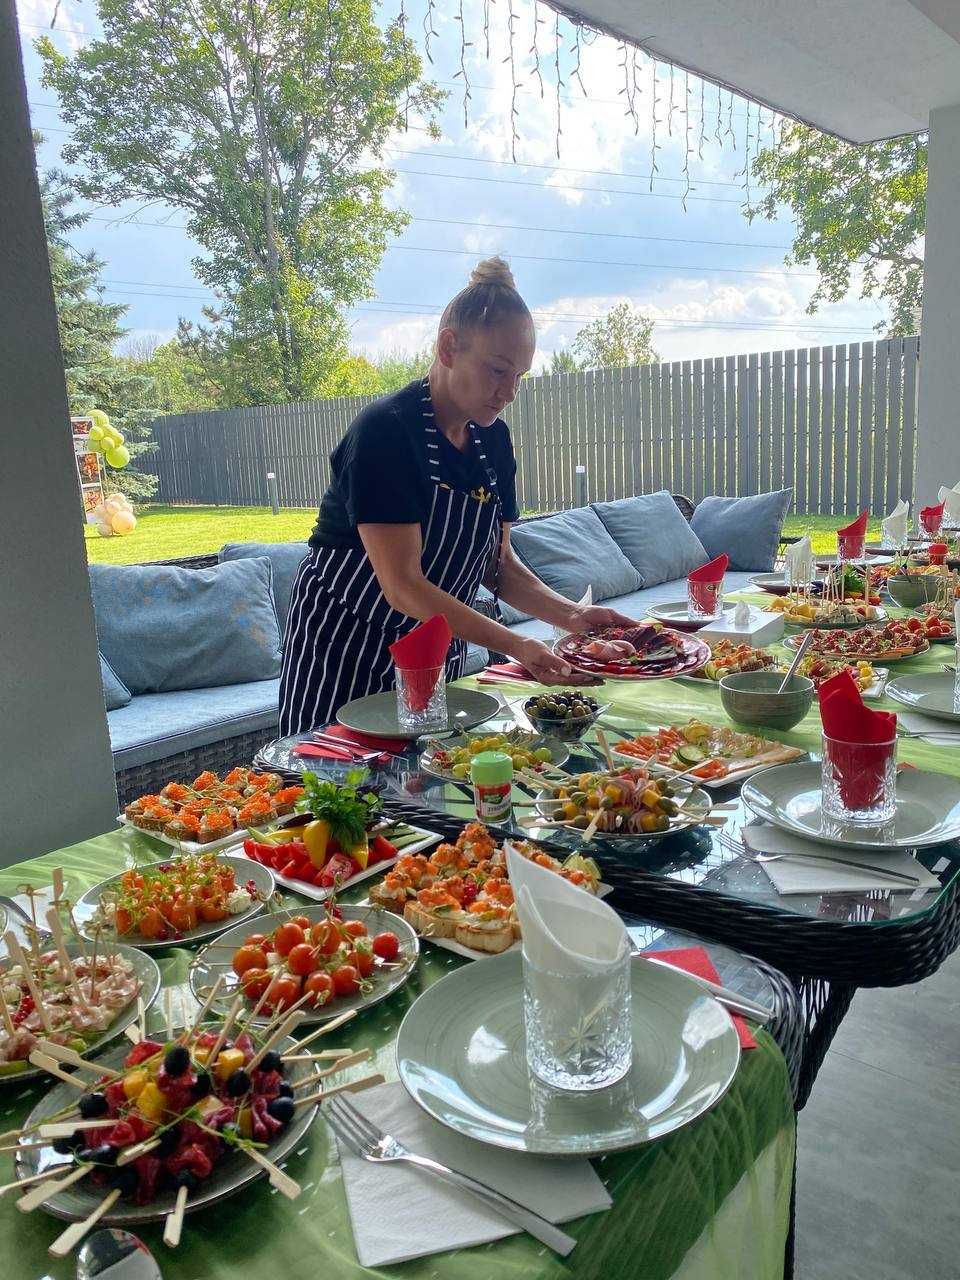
pixel 56 774
pixel 938 409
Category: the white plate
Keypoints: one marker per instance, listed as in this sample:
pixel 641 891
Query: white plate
pixel 427 840
pixel 192 846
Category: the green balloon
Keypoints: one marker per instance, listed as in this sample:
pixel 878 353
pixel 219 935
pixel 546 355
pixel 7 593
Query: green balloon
pixel 96 446
pixel 100 419
pixel 118 457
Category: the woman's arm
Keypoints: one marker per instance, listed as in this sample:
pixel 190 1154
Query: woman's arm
pixel 395 551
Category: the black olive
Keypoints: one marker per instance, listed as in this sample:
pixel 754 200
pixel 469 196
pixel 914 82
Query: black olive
pixel 281 1109
pixel 272 1062
pixel 67 1146
pixel 202 1086
pixel 238 1083
pixel 127 1179
pixel 93 1105
pixel 186 1179
pixel 104 1154
pixel 285 1090
pixel 177 1061
pixel 168 1142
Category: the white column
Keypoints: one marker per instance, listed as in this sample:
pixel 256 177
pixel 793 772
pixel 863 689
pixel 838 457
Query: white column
pixel 56 773
pixel 938 425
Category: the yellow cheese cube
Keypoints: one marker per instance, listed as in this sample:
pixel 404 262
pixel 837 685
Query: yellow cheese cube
pixel 134 1083
pixel 228 1061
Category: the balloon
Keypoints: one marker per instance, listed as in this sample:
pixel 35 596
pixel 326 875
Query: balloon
pixel 96 446
pixel 104 530
pixel 100 419
pixel 124 522
pixel 99 512
pixel 118 457
pixel 95 433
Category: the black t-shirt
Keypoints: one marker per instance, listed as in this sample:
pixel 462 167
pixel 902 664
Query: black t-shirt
pixel 380 474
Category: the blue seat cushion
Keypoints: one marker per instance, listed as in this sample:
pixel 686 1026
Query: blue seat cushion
pixel 284 557
pixel 747 529
pixel 162 628
pixel 115 692
pixel 572 551
pixel 155 725
pixel 508 614
pixel 653 535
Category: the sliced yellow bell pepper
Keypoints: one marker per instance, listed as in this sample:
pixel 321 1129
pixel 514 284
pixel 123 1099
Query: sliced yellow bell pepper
pixel 316 839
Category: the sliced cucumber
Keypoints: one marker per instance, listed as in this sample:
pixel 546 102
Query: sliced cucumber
pixel 689 754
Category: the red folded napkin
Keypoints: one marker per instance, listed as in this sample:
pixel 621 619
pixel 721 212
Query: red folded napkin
pixel 863 739
pixel 697 961
pixel 366 741
pixel 850 541
pixel 856 528
pixel 712 571
pixel 703 585
pixel 422 650
pixel 931 517
pixel 505 671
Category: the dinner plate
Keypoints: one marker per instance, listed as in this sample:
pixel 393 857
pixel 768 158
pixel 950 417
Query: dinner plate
pixel 675 614
pixel 789 796
pixel 691 654
pixel 233 1172
pixel 376 714
pixel 776 583
pixel 244 870
pixel 559 752
pixel 696 798
pixel 216 959
pixel 932 694
pixel 461 1055
pixel 148 974
pixel 794 642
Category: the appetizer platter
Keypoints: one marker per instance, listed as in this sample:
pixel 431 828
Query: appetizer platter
pixel 450 759
pixel 322 960
pixel 208 812
pixel 892 642
pixel 187 900
pixel 870 679
pixel 629 803
pixel 645 651
pixel 727 657
pixel 713 756
pixel 461 897
pixel 168 1126
pixel 801 611
pixel 937 621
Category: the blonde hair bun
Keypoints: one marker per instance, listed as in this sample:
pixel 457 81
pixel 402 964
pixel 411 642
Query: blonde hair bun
pixel 493 271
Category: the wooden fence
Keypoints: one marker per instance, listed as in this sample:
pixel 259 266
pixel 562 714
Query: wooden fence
pixel 837 424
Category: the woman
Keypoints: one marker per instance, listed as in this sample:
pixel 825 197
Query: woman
pixel 418 514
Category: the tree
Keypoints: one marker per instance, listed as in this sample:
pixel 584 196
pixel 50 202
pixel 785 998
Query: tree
pixel 180 383
pixel 564 361
pixel 616 340
pixel 852 205
pixel 264 122
pixel 397 368
pixel 89 330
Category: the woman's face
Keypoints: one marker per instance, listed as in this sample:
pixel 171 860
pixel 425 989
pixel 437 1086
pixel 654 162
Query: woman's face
pixel 485 367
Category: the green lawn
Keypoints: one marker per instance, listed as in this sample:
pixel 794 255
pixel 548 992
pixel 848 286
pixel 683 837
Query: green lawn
pixel 164 533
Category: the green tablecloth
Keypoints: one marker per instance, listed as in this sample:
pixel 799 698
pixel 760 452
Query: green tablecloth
pixel 710 1202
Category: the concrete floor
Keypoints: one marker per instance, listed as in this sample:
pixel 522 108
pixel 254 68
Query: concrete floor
pixel 879 1140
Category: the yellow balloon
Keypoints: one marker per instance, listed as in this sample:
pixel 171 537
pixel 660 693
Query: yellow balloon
pixel 100 419
pixel 124 522
pixel 105 530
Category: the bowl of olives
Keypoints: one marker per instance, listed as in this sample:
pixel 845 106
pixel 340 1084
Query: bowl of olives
pixel 566 714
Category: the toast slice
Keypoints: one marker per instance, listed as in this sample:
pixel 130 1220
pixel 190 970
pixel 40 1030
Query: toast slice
pixel 432 924
pixel 490 936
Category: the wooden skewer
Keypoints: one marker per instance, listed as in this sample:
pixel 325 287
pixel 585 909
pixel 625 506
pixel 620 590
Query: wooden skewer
pixel 35 1198
pixel 354 1060
pixel 282 1181
pixel 204 1009
pixel 61 1053
pixel 15 950
pixel 226 1028
pixel 352 1086
pixel 23 1143
pixel 129 1154
pixel 605 748
pixel 255 1010
pixel 325 1055
pixel 8 1026
pixel 51 1066
pixel 133 1033
pixel 66 1128
pixel 168 1012
pixel 69 973
pixel 70 1238
pixel 20 1183
pixel 285 1028
pixel 174 1220
pixel 322 1031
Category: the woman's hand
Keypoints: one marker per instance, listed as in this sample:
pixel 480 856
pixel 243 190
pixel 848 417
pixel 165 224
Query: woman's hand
pixel 545 666
pixel 589 617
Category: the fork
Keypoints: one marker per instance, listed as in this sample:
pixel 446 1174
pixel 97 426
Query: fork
pixel 365 1140
pixel 742 851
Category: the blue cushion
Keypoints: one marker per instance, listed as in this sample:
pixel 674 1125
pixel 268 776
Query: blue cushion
pixel 115 692
pixel 163 628
pixel 285 557
pixel 653 535
pixel 747 529
pixel 508 614
pixel 157 725
pixel 572 551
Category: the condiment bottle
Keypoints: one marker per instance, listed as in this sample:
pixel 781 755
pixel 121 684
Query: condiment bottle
pixel 491 773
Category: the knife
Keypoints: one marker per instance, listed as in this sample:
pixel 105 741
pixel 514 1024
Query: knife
pixel 731 1000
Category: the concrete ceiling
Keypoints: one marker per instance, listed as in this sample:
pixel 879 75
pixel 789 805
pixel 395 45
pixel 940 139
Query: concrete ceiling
pixel 862 69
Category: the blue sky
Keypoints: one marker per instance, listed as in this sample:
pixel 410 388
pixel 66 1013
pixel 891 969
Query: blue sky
pixel 580 238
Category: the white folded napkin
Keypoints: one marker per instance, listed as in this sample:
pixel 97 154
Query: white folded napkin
pixel 943 733
pixel 798 563
pixel 894 527
pixel 398 1212
pixel 951 504
pixel 830 877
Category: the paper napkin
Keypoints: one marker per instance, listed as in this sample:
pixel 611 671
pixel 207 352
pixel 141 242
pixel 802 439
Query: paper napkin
pixel 803 877
pixel 951 504
pixel 696 960
pixel 936 732
pixel 894 527
pixel 798 563
pixel 422 650
pixel 857 732
pixel 931 518
pixel 398 1212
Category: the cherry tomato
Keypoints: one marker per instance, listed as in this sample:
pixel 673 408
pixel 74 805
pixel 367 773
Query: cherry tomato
pixel 346 980
pixel 247 957
pixel 354 928
pixel 302 921
pixel 302 959
pixel 386 946
pixel 320 985
pixel 363 959
pixel 325 937
pixel 287 937
pixel 283 992
pixel 255 982
pixel 256 940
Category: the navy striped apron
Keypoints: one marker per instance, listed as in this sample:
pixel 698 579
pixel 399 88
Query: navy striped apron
pixel 340 625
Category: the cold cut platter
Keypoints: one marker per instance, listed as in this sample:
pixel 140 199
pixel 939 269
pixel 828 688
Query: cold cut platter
pixel 644 651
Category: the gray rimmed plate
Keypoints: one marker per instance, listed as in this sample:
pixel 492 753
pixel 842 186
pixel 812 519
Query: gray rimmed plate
pixel 461 1055
pixel 932 694
pixel 231 1174
pixel 376 714
pixel 559 751
pixel 675 614
pixel 216 959
pixel 244 870
pixel 775 584
pixel 149 977
pixel 789 796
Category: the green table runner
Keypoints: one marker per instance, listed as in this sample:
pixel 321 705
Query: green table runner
pixel 710 1201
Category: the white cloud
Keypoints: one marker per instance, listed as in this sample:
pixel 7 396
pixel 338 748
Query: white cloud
pixel 70 31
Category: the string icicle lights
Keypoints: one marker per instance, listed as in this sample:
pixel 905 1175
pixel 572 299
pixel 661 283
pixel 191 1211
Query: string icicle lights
pixel 535 48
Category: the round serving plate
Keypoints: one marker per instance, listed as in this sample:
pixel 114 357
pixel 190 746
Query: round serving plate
pixel 675 615
pixel 230 1175
pixel 696 798
pixel 559 752
pixel 461 1055
pixel 376 714
pixel 244 870
pixel 776 583
pixel 931 694
pixel 148 976
pixel 692 654
pixel 789 796
pixel 215 961
pixel 795 641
